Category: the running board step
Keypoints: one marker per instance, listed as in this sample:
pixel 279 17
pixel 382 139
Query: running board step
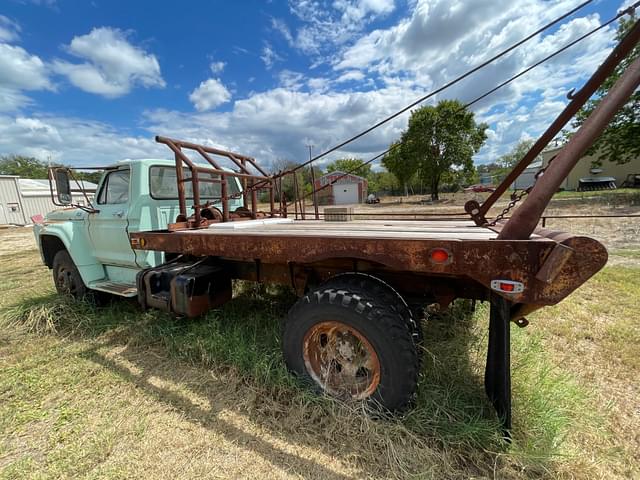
pixel 122 289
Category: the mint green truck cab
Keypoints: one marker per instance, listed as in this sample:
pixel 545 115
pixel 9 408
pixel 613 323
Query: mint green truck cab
pixel 89 249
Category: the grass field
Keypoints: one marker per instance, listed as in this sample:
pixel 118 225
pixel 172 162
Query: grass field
pixel 112 392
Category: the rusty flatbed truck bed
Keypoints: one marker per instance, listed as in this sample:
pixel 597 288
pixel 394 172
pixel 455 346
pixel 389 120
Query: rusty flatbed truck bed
pixel 409 254
pixel 353 332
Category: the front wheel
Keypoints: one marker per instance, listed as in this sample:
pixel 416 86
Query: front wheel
pixel 66 277
pixel 352 345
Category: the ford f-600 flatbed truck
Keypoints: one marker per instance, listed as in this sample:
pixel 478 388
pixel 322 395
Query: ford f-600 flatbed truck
pixel 176 233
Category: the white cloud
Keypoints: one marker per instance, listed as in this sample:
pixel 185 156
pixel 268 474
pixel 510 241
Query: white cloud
pixel 291 80
pixel 9 30
pixel 318 84
pixel 351 75
pixel 330 24
pixel 19 70
pixel 11 99
pixel 22 71
pixel 46 3
pixel 209 94
pixel 269 56
pixel 386 68
pixel 280 26
pixel 72 141
pixel 113 66
pixel 438 31
pixel 354 11
pixel 217 67
pixel 275 123
pixel 440 40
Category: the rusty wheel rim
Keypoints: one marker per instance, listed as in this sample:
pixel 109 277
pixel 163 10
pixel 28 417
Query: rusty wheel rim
pixel 65 282
pixel 341 360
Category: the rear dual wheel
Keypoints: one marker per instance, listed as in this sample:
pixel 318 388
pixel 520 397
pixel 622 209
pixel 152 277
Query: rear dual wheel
pixel 352 339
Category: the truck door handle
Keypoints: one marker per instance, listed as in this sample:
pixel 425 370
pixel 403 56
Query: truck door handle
pixel 119 214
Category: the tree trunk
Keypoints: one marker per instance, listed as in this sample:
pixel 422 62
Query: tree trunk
pixel 406 189
pixel 434 189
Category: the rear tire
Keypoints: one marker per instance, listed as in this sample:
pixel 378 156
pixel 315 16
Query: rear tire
pixel 386 294
pixel 66 277
pixel 350 343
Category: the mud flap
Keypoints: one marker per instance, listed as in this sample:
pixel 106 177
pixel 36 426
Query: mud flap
pixel 497 377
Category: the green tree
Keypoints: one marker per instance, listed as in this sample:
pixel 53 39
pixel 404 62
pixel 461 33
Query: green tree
pixel 454 179
pixel 401 164
pixel 25 167
pixel 382 182
pixel 442 139
pixel 355 165
pixel 306 175
pixel 93 176
pixel 493 170
pixel 288 183
pixel 620 142
pixel 29 167
pixel 509 160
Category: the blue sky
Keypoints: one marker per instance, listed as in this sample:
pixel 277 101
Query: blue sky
pixel 91 82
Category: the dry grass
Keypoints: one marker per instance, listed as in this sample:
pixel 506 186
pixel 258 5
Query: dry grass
pixel 116 393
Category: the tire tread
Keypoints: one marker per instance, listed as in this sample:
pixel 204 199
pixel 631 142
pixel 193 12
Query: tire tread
pixel 386 316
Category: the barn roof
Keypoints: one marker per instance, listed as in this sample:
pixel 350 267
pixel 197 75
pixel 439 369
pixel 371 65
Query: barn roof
pixel 36 187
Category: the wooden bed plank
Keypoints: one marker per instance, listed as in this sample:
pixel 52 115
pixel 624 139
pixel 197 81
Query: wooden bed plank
pixel 373 234
pixel 430 229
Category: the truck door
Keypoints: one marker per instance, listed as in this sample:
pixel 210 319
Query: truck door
pixel 108 228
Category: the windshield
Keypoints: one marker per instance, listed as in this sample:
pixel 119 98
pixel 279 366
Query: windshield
pixel 164 184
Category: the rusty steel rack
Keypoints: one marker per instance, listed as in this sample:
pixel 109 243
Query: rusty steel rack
pixel 205 213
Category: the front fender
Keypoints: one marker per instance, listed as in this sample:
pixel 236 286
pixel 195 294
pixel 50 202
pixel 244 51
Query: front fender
pixel 73 235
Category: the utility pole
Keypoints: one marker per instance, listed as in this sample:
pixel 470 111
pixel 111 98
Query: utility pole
pixel 313 183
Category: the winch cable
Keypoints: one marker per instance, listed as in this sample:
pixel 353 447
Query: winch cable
pixel 440 89
pixel 626 11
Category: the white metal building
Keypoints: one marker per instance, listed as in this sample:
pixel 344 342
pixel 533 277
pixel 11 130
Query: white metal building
pixel 23 198
pixel 528 177
pixel 583 171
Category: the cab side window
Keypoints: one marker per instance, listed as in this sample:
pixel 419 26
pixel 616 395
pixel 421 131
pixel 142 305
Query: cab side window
pixel 115 188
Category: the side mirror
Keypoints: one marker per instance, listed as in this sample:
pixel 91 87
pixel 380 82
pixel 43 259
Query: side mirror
pixel 63 186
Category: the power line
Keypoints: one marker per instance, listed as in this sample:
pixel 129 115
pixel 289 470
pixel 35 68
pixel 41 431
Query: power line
pixel 496 88
pixel 444 87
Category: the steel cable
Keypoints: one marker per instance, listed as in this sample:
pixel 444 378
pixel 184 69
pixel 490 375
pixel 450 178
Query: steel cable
pixel 442 88
pixel 484 95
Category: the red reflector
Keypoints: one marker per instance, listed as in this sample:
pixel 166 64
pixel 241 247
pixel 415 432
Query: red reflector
pixel 439 255
pixel 507 287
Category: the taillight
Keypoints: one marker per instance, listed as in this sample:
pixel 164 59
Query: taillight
pixel 439 255
pixel 507 286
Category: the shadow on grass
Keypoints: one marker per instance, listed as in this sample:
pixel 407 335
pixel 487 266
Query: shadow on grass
pixel 452 419
pixel 211 419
